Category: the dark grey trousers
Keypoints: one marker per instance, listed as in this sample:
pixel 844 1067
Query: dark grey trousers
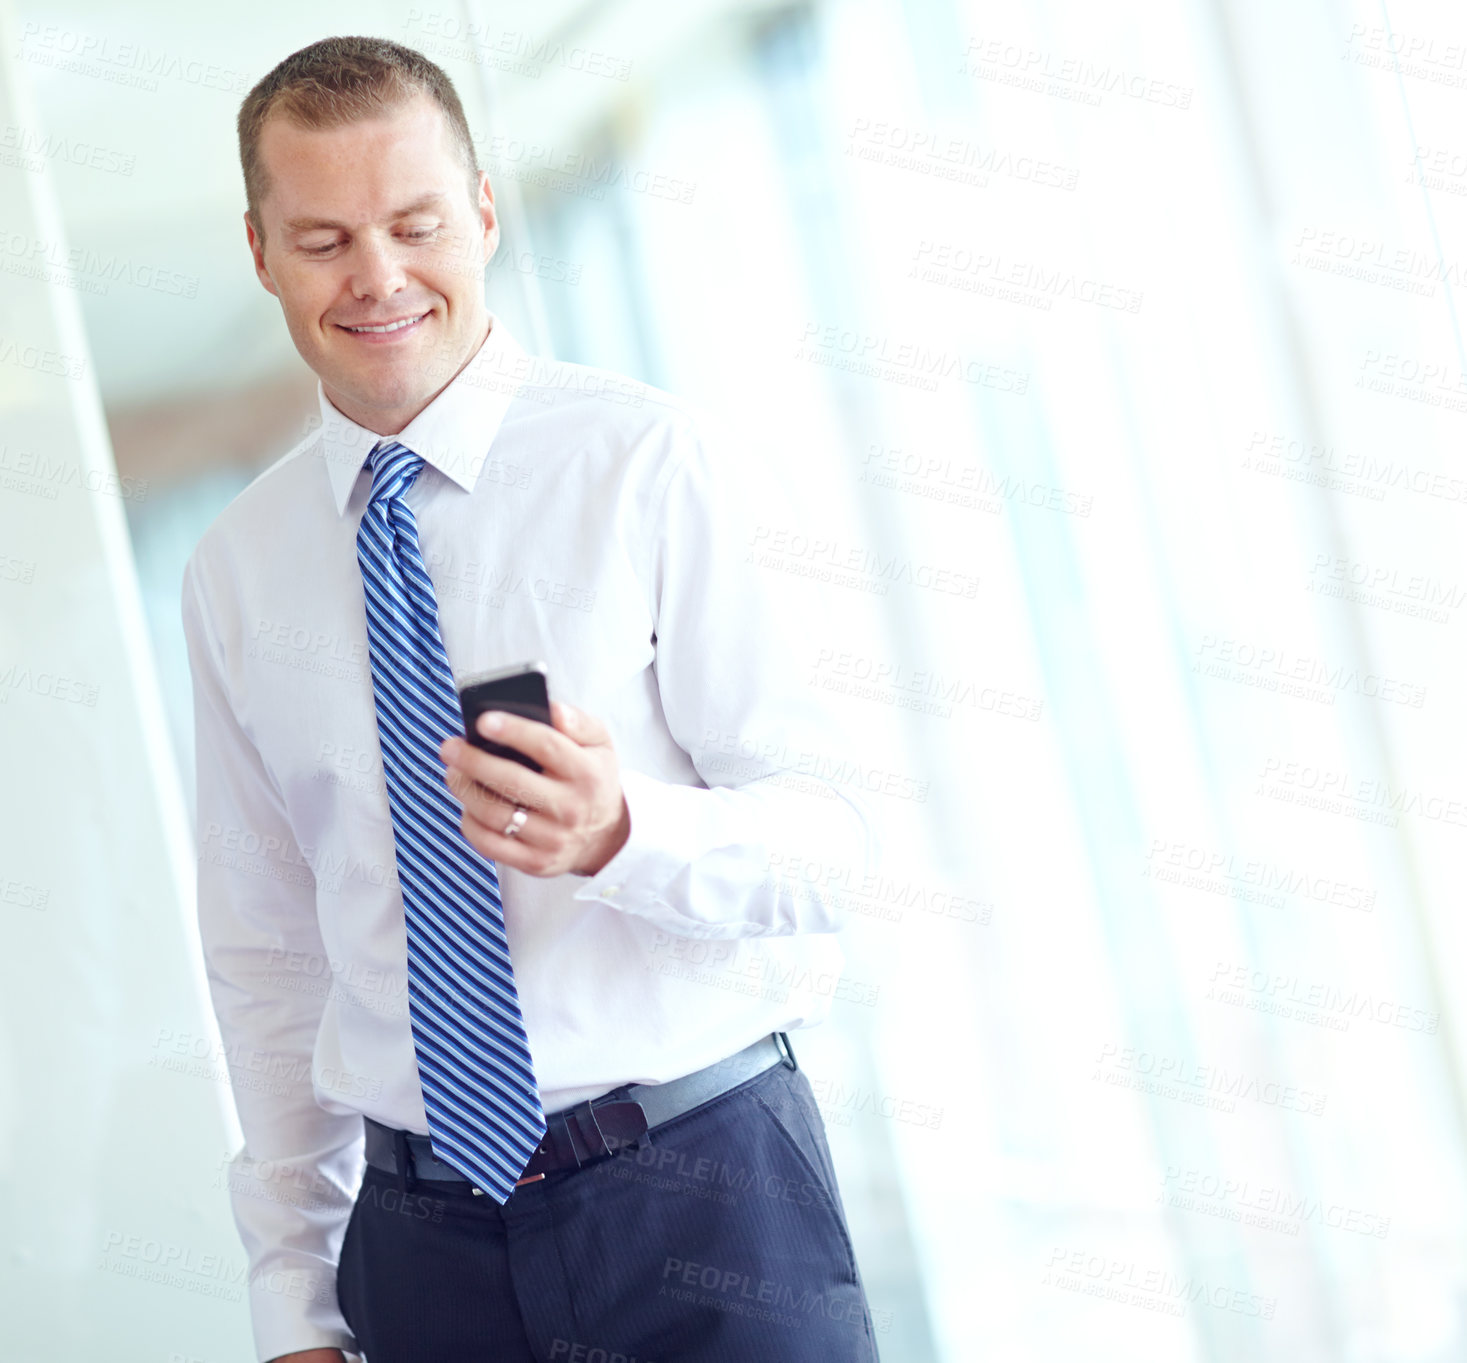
pixel 722 1239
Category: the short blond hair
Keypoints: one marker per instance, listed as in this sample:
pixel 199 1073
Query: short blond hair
pixel 341 80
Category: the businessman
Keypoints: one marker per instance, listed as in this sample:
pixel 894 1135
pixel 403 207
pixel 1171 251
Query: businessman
pixel 509 1047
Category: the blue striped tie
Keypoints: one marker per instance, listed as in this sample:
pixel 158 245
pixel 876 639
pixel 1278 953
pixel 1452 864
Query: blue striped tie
pixel 478 1079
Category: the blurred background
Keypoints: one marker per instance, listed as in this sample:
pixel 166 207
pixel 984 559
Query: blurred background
pixel 1110 358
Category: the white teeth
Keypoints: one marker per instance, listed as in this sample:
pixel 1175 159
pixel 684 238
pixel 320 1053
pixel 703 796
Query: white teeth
pixel 392 326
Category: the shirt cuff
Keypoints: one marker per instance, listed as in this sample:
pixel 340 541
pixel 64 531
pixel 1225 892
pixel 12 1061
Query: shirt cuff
pixel 634 878
pixel 279 1329
pixel 294 1307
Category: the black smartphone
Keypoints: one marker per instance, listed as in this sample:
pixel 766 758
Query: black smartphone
pixel 517 690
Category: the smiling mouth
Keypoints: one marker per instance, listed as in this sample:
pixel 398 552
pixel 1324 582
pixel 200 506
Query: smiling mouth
pixel 386 327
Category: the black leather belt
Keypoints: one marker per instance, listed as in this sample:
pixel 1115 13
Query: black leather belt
pixel 589 1130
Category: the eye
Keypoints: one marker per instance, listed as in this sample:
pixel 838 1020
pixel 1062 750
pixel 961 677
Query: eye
pixel 421 233
pixel 319 250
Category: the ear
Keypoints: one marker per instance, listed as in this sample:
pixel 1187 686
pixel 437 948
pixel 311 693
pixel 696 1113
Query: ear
pixel 257 250
pixel 488 216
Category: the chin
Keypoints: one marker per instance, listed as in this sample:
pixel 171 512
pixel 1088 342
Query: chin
pixel 392 397
pixel 364 389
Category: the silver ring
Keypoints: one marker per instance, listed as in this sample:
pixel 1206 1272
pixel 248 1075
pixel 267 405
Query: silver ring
pixel 517 822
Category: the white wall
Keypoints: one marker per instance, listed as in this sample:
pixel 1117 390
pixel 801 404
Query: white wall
pixel 114 1111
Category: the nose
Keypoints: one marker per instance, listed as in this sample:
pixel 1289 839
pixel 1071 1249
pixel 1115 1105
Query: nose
pixel 377 271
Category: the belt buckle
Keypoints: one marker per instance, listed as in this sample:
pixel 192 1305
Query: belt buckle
pixel 621 1107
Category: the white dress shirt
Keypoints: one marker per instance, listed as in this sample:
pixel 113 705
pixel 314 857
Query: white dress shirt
pixel 565 514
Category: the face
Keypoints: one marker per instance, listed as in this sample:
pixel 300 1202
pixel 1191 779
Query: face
pixel 370 225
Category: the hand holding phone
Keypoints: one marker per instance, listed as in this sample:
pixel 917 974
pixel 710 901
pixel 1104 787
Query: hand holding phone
pixel 520 689
pixel 578 814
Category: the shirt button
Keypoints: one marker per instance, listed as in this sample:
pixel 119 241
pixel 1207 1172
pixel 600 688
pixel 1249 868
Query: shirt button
pixel 611 889
pixel 478 1192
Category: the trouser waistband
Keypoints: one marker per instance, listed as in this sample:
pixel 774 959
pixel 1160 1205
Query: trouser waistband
pixel 589 1130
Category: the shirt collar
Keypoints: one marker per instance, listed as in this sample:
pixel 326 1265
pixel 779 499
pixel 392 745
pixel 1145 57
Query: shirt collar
pixel 453 432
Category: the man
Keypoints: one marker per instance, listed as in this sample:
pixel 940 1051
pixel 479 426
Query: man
pixel 541 1006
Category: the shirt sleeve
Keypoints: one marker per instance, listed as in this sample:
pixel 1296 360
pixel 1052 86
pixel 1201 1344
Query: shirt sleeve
pixel 292 1185
pixel 780 828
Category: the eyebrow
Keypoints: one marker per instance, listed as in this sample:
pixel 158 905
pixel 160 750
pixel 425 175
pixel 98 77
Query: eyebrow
pixel 318 224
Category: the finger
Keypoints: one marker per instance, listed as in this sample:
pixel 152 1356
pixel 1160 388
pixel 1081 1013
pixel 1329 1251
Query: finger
pixel 478 779
pixel 492 810
pixel 577 725
pixel 502 775
pixel 521 853
pixel 549 747
pixel 493 820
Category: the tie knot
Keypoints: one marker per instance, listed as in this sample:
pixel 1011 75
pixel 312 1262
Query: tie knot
pixel 394 467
